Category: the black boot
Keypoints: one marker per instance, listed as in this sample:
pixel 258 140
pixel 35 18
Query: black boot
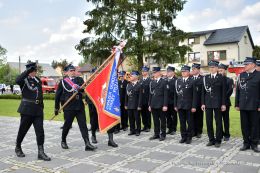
pixel 111 142
pixel 41 154
pixel 19 151
pixel 64 145
pixel 88 146
pixel 93 138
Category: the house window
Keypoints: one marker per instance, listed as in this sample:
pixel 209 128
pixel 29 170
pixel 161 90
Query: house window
pixel 217 55
pixel 194 57
pixel 245 39
pixel 195 40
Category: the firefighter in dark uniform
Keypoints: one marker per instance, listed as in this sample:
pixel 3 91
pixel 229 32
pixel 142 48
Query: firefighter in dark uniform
pixel 258 69
pixel 133 103
pixel 122 90
pixel 214 101
pixel 146 114
pixel 247 101
pixel 31 110
pixel 198 115
pixel 185 103
pixel 222 69
pixel 67 87
pixel 158 104
pixel 171 116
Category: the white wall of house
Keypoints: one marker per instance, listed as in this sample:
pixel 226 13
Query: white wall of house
pixel 245 47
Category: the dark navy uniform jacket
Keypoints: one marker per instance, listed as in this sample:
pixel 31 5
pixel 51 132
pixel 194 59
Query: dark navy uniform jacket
pixel 171 92
pixel 32 97
pixel 65 91
pixel 214 91
pixel 248 91
pixel 186 96
pixel 133 97
pixel 145 90
pixel 122 90
pixel 198 82
pixel 158 94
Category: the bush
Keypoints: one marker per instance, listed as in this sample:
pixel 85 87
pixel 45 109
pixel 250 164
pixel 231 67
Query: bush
pixel 13 96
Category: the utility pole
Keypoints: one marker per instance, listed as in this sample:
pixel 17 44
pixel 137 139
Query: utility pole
pixel 19 64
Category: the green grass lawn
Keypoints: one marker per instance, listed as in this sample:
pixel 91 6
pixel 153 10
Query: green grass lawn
pixel 8 107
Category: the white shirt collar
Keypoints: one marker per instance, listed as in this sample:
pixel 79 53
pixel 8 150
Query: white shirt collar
pixel 185 78
pixel 215 74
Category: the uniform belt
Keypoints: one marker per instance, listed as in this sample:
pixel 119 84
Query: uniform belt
pixel 33 101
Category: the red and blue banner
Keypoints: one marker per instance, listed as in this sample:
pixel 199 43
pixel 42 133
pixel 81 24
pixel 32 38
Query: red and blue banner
pixel 104 93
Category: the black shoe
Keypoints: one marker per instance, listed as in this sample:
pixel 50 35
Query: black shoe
pixel 64 145
pixel 143 130
pixel 188 141
pixel 131 133
pixel 198 136
pixel 125 129
pixel 244 148
pixel 162 138
pixel 255 149
pixel 182 140
pixel 169 132
pixel 173 133
pixel 94 139
pixel 154 137
pixel 42 155
pixel 19 151
pixel 88 146
pixel 137 134
pixel 217 145
pixel 61 127
pixel 111 141
pixel 226 138
pixel 147 130
pixel 210 144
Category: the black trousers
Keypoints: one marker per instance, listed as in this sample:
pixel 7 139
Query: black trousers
pixel 225 117
pixel 93 118
pixel 69 117
pixel 172 119
pixel 209 122
pixel 146 117
pixel 249 126
pixel 197 121
pixel 159 121
pixel 124 117
pixel 135 120
pixel 25 123
pixel 186 123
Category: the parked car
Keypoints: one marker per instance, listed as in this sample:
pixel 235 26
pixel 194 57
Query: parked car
pixel 17 89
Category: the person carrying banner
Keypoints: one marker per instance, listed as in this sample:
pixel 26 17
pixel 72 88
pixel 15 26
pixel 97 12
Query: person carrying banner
pixel 75 108
pixel 31 109
pixel 146 114
pixel 247 101
pixel 133 103
pixel 185 104
pixel 214 101
pixel 225 114
pixel 158 104
pixel 171 116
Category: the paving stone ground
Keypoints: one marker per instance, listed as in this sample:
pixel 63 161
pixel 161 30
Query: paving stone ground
pixel 134 154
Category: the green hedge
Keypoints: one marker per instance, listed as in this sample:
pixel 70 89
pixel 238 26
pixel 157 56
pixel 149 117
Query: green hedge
pixel 14 96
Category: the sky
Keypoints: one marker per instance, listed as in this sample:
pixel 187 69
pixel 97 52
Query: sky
pixel 47 30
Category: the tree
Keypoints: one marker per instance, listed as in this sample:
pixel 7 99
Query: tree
pixel 146 24
pixel 256 52
pixel 8 75
pixel 62 64
pixel 3 52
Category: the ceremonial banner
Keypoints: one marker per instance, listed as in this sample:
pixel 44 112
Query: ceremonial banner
pixel 104 93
